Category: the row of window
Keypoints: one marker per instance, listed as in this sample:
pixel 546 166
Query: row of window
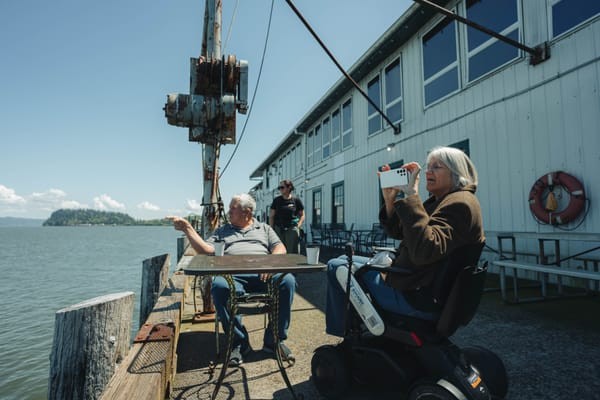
pixel 332 135
pixel 484 54
pixel 442 68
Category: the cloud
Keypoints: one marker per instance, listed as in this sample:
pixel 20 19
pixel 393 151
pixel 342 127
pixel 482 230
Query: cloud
pixel 193 206
pixel 105 202
pixel 146 205
pixel 72 204
pixel 8 196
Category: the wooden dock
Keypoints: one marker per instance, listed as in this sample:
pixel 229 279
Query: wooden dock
pixel 180 366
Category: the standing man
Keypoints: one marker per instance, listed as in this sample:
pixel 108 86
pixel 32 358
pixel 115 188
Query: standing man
pixel 245 235
pixel 287 215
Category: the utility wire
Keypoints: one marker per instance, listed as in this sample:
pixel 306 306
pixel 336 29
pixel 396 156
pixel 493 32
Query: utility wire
pixel 237 144
pixel 230 26
pixel 335 61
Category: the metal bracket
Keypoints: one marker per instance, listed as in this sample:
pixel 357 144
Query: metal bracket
pixel 155 332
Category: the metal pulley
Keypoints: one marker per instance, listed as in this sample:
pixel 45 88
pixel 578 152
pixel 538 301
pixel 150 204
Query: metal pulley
pixel 219 89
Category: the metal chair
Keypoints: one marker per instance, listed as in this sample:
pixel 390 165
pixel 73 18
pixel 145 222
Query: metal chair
pixel 262 305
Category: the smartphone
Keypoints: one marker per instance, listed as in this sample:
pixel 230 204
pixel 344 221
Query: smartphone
pixel 393 177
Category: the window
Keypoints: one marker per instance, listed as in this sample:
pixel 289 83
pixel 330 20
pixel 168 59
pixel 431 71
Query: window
pixel 316 207
pixel 335 132
pixel 393 91
pixel 484 52
pixel 326 138
pixel 337 203
pixel 462 145
pixel 347 124
pixel 440 61
pixel 309 148
pixel 374 93
pixel 317 145
pixel 567 14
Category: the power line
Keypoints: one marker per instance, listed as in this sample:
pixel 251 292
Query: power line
pixel 237 144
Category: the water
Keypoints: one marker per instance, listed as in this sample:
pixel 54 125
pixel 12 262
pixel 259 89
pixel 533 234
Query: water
pixel 45 269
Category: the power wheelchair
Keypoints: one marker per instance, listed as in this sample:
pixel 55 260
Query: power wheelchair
pixel 412 355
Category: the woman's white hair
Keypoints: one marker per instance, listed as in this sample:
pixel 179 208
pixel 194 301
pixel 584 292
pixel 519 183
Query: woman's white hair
pixel 462 168
pixel 246 202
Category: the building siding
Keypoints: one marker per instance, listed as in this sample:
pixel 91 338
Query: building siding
pixel 521 122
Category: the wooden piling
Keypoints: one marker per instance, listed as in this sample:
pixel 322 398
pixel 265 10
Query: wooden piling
pixel 90 338
pixel 155 273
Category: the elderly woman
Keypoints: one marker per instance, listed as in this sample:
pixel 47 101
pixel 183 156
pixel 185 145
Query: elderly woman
pixel 449 219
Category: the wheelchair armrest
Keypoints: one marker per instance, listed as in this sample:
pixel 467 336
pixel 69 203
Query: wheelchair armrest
pixel 377 249
pixel 382 268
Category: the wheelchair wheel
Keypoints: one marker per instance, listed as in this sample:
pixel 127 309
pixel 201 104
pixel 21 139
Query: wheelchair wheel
pixel 329 372
pixel 490 368
pixel 429 391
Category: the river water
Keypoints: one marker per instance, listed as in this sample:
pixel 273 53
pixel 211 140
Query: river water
pixel 45 269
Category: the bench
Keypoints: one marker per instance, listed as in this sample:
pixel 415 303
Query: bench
pixel 591 263
pixel 544 270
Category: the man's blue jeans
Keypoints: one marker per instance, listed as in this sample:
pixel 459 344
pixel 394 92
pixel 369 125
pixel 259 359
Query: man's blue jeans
pixel 386 296
pixel 252 283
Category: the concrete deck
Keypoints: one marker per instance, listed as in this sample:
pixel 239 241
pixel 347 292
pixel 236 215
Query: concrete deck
pixel 551 350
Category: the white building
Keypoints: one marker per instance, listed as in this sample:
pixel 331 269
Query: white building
pixel 448 84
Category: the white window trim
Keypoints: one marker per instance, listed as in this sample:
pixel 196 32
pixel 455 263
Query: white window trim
pixel 491 41
pixel 384 90
pixel 457 64
pixel 375 113
pixel 346 132
pixel 550 4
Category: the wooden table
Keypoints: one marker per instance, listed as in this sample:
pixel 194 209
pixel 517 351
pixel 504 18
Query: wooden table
pixel 228 265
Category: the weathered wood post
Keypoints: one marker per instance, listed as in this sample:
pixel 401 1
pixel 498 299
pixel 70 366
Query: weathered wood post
pixel 155 273
pixel 90 338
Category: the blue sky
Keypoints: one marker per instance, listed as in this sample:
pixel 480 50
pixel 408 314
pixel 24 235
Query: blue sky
pixel 83 84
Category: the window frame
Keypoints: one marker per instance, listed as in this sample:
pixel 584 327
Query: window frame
pixel 336 207
pixel 374 114
pixel 326 130
pixel 317 145
pixel 346 133
pixel 317 217
pixel 490 42
pixel 448 68
pixel 309 148
pixel 336 138
pixel 400 98
pixel 550 4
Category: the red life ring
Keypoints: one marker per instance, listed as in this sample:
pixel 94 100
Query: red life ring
pixel 547 182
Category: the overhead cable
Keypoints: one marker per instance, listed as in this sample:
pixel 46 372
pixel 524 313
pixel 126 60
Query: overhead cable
pixel 237 144
pixel 335 61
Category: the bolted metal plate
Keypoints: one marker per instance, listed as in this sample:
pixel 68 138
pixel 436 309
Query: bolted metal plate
pixel 155 332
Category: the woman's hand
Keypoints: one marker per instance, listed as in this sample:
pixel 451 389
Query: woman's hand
pixel 413 182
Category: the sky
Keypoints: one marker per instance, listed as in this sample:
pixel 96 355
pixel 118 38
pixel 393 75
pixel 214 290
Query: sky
pixel 83 84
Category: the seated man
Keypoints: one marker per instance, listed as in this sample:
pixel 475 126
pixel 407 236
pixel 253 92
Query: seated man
pixel 245 235
pixel 449 219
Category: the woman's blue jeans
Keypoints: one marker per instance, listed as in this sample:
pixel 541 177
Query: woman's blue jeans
pixel 252 283
pixel 385 296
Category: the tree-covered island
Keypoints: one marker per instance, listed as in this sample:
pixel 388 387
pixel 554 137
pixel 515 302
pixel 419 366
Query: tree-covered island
pixel 75 217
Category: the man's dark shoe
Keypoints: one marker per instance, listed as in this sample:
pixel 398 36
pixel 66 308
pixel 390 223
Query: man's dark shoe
pixel 237 355
pixel 286 353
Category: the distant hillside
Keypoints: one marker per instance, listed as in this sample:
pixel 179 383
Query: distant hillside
pixel 68 217
pixel 12 222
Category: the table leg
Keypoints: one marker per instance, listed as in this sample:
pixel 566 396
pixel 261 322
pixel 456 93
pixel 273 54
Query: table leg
pixel 232 314
pixel 273 290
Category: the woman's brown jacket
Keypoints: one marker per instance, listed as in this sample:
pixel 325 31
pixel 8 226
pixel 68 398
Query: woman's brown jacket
pixel 429 232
